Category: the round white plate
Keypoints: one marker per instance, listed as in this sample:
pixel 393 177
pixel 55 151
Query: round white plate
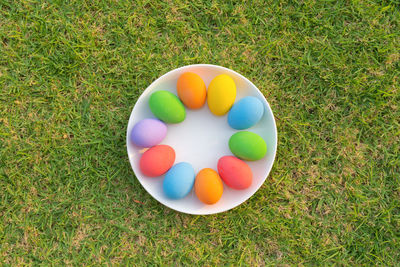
pixel 201 139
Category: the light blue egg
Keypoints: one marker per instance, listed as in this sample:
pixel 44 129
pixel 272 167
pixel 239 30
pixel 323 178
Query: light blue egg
pixel 245 113
pixel 179 180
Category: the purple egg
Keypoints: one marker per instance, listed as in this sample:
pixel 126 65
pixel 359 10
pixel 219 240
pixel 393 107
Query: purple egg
pixel 148 132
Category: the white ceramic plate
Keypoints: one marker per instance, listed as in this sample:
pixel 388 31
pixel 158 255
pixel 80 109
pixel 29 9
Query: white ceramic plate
pixel 201 139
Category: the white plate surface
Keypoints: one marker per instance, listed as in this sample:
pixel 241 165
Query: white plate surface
pixel 201 139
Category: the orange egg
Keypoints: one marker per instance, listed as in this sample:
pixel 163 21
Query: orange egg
pixel 208 186
pixel 191 90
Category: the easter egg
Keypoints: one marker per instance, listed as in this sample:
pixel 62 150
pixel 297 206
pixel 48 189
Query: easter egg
pixel 221 94
pixel 247 145
pixel 157 160
pixel 148 132
pixel 191 90
pixel 178 180
pixel 167 107
pixel 235 172
pixel 245 113
pixel 208 186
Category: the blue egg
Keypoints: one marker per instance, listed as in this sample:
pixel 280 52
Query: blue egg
pixel 245 113
pixel 179 180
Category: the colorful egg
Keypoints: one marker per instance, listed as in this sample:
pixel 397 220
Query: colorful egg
pixel 179 180
pixel 221 94
pixel 167 107
pixel 247 145
pixel 245 113
pixel 191 90
pixel 148 132
pixel 208 186
pixel 157 160
pixel 235 172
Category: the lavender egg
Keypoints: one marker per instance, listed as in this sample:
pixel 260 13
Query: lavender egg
pixel 148 132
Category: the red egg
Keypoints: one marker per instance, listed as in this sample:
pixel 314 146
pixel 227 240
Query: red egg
pixel 235 172
pixel 157 160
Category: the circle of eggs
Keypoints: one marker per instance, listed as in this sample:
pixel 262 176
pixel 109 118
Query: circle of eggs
pixel 180 178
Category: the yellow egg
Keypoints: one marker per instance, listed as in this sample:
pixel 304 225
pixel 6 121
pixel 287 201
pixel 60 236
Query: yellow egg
pixel 221 94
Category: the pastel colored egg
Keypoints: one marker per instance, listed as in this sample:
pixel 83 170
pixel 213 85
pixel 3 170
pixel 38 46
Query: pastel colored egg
pixel 208 186
pixel 167 107
pixel 221 94
pixel 245 113
pixel 247 145
pixel 179 180
pixel 157 160
pixel 235 172
pixel 148 132
pixel 191 90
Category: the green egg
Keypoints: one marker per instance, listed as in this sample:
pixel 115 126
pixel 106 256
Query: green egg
pixel 167 107
pixel 247 145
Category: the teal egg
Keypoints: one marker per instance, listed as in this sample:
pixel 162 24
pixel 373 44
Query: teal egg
pixel 179 180
pixel 245 113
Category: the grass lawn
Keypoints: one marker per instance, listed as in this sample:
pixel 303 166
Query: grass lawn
pixel 70 74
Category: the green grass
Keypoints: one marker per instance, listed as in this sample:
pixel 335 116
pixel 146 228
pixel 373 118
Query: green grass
pixel 70 75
